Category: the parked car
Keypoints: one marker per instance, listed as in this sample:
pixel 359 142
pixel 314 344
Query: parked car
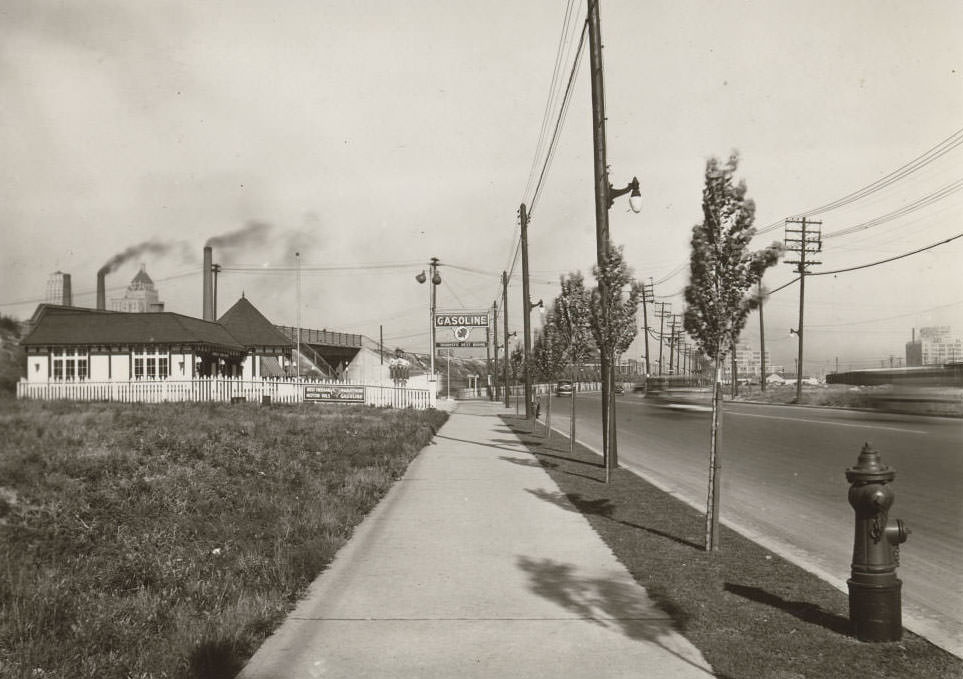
pixel 563 388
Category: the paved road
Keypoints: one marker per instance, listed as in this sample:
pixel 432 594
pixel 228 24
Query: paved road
pixel 783 483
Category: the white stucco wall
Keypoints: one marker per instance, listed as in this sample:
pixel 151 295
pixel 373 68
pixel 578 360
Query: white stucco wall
pixel 119 367
pixel 99 367
pixel 180 366
pixel 38 368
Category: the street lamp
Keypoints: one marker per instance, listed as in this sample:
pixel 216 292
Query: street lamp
pixel 435 282
pixel 635 196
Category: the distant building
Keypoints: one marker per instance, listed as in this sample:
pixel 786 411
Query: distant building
pixel 58 289
pixel 748 363
pixel 141 296
pixel 936 346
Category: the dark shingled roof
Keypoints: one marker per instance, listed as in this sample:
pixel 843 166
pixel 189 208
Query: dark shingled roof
pixel 251 328
pixel 66 326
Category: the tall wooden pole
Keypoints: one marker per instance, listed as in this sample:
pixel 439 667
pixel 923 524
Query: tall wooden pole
pixel 609 448
pixel 526 321
pixel 506 360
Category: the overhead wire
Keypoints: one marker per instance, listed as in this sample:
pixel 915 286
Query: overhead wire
pixel 927 157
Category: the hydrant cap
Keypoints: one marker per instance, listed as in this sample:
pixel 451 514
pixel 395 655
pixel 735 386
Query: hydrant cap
pixel 869 468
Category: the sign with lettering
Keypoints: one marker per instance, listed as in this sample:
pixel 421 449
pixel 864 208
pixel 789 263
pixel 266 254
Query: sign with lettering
pixel 461 318
pixel 334 393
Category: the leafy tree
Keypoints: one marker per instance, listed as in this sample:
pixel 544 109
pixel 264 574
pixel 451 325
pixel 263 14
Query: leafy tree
pixel 613 332
pixel 569 319
pixel 721 271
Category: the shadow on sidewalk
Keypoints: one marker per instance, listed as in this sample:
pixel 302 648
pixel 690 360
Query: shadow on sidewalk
pixel 601 507
pixel 802 610
pixel 611 604
pixel 544 464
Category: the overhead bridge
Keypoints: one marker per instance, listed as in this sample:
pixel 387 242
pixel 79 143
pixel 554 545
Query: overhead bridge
pixel 335 349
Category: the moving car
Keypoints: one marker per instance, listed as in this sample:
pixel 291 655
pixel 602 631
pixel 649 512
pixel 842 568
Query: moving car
pixel 563 388
pixel 683 392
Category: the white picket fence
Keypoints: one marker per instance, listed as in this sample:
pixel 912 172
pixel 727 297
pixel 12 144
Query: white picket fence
pixel 214 389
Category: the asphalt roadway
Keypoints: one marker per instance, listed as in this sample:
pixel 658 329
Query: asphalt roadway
pixel 783 484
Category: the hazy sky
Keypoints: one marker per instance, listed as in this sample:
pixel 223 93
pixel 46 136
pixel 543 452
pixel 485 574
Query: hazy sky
pixel 372 136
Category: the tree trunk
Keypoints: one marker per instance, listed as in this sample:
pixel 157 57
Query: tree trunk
pixel 571 438
pixel 548 416
pixel 712 503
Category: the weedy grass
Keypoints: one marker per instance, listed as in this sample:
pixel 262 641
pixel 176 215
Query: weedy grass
pixel 170 540
pixel 752 614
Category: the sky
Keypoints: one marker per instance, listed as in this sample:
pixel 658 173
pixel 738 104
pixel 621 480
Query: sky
pixel 371 136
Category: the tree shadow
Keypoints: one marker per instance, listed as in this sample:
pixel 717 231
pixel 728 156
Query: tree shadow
pixel 545 464
pixel 803 610
pixel 485 444
pixel 604 508
pixel 619 605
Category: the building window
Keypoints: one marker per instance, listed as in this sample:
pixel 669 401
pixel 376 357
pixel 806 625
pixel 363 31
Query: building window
pixel 151 364
pixel 70 364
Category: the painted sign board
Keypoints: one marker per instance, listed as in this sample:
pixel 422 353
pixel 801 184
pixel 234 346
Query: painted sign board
pixel 460 344
pixel 461 318
pixel 334 393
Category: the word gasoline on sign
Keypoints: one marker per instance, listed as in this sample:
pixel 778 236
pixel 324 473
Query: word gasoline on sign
pixel 455 320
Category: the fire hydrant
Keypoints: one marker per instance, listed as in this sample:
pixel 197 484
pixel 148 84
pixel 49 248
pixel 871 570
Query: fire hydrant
pixel 875 611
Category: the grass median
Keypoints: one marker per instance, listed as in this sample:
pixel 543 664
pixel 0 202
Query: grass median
pixel 170 540
pixel 752 614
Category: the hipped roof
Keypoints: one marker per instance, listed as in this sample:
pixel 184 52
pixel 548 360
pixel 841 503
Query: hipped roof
pixel 71 326
pixel 250 327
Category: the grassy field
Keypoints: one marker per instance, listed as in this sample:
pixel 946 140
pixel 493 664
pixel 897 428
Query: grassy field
pixel 751 613
pixel 169 540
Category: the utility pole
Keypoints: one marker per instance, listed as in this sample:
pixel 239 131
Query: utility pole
pixel 526 320
pixel 601 209
pixel 762 342
pixel 672 343
pixel 494 370
pixel 804 237
pixel 661 313
pixel 506 361
pixel 679 345
pixel 297 256
pixel 648 295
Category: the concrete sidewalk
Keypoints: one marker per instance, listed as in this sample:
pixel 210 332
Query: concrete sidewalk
pixel 464 571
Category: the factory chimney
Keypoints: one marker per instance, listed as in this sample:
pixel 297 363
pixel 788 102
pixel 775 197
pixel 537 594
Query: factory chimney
pixel 207 276
pixel 101 290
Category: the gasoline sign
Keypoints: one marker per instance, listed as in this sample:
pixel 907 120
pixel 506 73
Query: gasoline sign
pixel 462 333
pixel 455 320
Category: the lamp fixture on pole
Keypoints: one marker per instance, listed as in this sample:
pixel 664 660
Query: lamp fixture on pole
pixel 635 196
pixel 435 282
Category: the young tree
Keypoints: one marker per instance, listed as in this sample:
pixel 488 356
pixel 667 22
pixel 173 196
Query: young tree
pixel 570 322
pixel 721 271
pixel 613 332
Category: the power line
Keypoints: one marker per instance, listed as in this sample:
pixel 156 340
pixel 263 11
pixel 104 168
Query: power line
pixel 871 264
pixel 918 204
pixel 934 153
pixel 562 114
pixel 552 91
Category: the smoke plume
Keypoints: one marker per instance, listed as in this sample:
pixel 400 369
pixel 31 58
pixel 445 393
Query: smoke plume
pixel 154 247
pixel 252 233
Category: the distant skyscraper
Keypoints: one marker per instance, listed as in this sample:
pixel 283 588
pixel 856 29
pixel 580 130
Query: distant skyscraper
pixel 939 346
pixel 140 296
pixel 58 289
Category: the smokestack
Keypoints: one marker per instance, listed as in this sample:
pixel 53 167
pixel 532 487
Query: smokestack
pixel 101 290
pixel 208 278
